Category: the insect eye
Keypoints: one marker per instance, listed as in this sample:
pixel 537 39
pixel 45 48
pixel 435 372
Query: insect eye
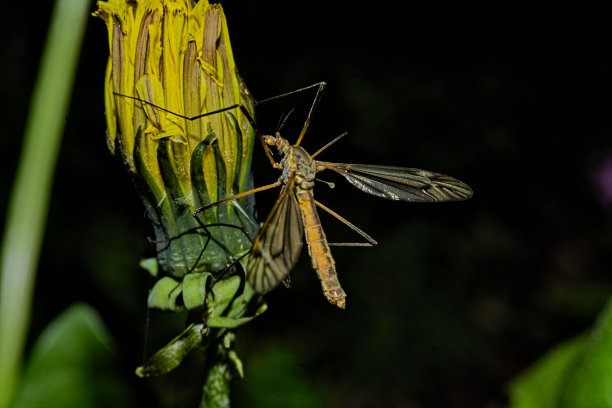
pixel 278 143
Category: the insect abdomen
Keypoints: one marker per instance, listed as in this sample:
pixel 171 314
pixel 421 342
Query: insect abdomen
pixel 320 254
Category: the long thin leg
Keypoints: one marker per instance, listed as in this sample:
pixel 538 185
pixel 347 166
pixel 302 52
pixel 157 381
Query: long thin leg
pixel 350 244
pixel 242 108
pixel 314 103
pixel 319 84
pixel 227 269
pixel 282 120
pixel 203 229
pixel 244 214
pixel 368 238
pixel 193 231
pixel 246 113
pixel 329 144
pixel 236 196
pixel 209 237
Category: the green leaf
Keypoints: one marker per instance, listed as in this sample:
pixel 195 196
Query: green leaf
pixel 72 365
pixel 588 382
pixel 539 386
pixel 576 374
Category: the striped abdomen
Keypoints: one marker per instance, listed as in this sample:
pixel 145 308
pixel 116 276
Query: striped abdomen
pixel 318 248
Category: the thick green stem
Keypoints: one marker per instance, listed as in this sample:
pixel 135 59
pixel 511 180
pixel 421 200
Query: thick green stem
pixel 216 390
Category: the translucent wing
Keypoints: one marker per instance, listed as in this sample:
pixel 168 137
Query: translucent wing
pixel 278 245
pixel 400 183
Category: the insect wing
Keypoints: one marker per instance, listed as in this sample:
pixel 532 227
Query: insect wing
pixel 400 183
pixel 278 245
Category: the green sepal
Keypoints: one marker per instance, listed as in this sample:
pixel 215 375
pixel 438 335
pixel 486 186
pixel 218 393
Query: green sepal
pixel 171 356
pixel 223 293
pixel 233 322
pixel 227 322
pixel 195 288
pixel 241 303
pixel 226 237
pixel 229 302
pixel 150 265
pixel 215 256
pixel 151 194
pixel 110 142
pixel 248 202
pixel 237 238
pixel 233 356
pixel 238 166
pixel 164 295
pixel 185 250
pixel 222 209
pixel 198 183
pixel 249 135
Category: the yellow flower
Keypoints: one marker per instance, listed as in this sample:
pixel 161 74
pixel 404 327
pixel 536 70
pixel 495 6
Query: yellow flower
pixel 172 59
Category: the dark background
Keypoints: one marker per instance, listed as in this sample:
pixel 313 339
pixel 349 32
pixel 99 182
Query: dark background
pixel 457 299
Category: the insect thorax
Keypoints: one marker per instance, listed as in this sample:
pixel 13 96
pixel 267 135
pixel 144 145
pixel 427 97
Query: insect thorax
pixel 300 162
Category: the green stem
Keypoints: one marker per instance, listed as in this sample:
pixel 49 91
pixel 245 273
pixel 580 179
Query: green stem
pixel 216 390
pixel 27 210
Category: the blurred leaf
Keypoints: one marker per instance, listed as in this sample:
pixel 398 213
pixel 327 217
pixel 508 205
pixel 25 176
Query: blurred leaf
pixel 576 374
pixel 26 217
pixel 72 365
pixel 539 386
pixel 588 382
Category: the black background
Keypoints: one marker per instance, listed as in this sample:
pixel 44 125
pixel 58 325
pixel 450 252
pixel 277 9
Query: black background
pixel 457 299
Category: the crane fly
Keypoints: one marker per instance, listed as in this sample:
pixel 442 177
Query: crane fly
pixel 278 244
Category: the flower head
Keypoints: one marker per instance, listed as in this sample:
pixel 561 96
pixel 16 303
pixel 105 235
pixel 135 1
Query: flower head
pixel 171 60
